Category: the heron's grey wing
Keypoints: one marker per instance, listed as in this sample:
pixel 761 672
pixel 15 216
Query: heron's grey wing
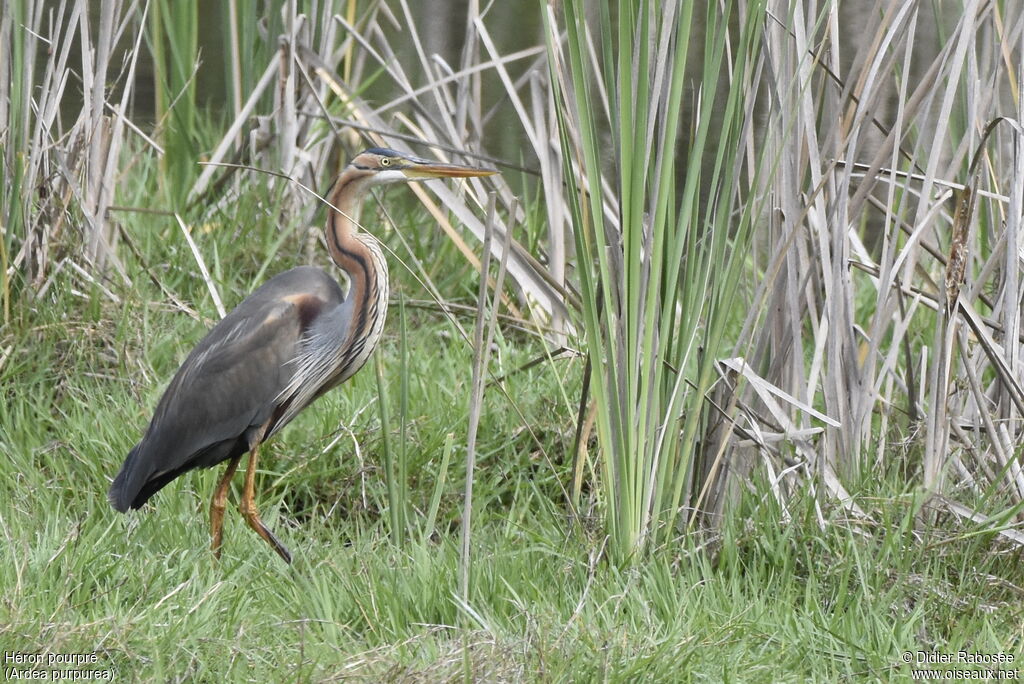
pixel 229 384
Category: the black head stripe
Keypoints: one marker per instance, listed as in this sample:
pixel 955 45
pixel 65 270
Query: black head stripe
pixel 383 152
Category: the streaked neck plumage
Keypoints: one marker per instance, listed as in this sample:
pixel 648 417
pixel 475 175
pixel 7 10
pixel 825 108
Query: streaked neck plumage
pixel 360 256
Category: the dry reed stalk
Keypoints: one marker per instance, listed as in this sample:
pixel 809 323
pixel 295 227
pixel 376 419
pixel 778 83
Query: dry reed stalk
pixel 483 336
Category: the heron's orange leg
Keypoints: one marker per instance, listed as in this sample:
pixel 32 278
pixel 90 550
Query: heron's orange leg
pixel 217 504
pixel 249 512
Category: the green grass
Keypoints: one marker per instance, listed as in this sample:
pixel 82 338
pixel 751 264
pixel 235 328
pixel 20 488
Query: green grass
pixel 143 592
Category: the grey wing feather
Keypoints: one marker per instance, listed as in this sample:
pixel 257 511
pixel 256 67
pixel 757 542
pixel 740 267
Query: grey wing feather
pixel 230 384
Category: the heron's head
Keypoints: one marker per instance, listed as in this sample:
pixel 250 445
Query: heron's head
pixel 381 166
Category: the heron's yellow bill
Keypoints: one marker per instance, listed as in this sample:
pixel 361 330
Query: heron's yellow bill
pixel 418 168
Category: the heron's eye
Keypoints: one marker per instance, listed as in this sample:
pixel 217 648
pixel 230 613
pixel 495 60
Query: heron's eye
pixel 385 162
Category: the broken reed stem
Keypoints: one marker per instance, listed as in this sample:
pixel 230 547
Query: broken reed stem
pixel 202 268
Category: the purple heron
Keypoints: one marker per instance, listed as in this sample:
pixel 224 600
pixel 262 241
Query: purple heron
pixel 284 346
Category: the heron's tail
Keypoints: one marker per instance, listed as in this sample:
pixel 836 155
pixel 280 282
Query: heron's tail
pixel 129 481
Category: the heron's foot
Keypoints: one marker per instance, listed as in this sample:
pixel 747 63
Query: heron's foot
pixel 248 503
pixel 217 505
pixel 252 516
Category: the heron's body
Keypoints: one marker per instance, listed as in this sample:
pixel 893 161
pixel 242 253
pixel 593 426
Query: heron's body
pixel 294 338
pixel 202 420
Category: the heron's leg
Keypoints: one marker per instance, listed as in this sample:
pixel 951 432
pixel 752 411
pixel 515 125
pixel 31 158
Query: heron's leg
pixel 249 512
pixel 220 496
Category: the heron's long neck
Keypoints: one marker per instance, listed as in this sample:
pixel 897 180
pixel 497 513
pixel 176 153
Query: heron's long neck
pixel 358 254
